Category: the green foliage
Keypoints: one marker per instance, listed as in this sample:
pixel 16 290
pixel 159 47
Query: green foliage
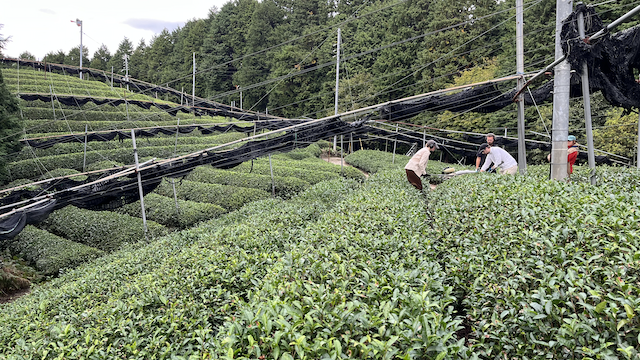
pixel 283 186
pixel 229 197
pixel 9 127
pixel 162 210
pixel 50 254
pixel 104 230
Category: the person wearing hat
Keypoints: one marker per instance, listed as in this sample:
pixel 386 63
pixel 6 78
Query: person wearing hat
pixel 480 157
pixel 572 153
pixel 418 163
pixel 498 158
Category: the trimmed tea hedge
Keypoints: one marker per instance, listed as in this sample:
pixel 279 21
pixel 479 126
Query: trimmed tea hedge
pixel 50 253
pixel 228 197
pixel 77 126
pixel 284 186
pixel 104 230
pixel 162 209
pixel 25 168
pixel 312 278
pixel 203 141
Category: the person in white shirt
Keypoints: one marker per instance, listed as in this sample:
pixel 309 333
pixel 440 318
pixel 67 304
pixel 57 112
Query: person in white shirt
pixel 418 162
pixel 498 158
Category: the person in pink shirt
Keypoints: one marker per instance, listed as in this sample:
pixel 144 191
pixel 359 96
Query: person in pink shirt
pixel 418 163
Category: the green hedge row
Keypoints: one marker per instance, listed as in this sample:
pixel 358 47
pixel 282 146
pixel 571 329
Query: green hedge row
pixel 195 138
pixel 103 114
pixel 373 161
pixel 88 107
pixel 44 127
pixel 162 209
pixel 229 197
pixel 545 269
pixel 62 90
pixel 29 168
pixel 284 186
pixel 104 230
pixel 49 253
pixel 339 274
pixel 310 170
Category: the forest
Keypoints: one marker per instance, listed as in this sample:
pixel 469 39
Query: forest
pixel 280 56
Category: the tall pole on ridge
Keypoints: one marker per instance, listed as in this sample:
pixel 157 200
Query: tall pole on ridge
pixel 335 138
pixel 79 23
pixel 561 86
pixel 522 153
pixel 193 99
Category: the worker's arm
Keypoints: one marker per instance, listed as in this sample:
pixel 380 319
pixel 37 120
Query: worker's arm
pixel 487 162
pixel 478 161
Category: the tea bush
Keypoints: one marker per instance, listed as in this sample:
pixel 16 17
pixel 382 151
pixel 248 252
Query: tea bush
pixel 104 230
pixel 228 197
pixel 202 141
pixel 312 171
pixel 162 210
pixel 284 186
pixel 49 253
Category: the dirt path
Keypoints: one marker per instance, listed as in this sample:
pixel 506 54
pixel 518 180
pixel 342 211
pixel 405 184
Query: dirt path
pixel 14 295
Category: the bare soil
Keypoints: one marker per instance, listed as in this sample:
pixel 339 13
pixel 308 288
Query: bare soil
pixel 7 298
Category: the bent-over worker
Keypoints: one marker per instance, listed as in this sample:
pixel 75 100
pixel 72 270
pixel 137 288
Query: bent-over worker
pixel 418 162
pixel 498 158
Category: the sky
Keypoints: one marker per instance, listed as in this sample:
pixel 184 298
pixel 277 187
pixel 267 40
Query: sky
pixel 40 27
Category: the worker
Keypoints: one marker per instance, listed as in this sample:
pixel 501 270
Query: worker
pixel 572 153
pixel 480 157
pixel 418 163
pixel 498 158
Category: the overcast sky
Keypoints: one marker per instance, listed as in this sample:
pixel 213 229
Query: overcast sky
pixel 41 27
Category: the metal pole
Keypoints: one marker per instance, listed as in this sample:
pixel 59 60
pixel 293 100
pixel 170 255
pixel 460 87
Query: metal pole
pixel 112 78
pixel 395 143
pixel 522 153
pixel 135 157
pixel 617 22
pixel 350 143
pixel 337 83
pixel 53 105
pixel 424 137
pixel 182 96
pixel 79 22
pixel 194 80
pixel 341 156
pixel 587 106
pixel 560 125
pixel 240 99
pixel 84 161
pixel 173 182
pixel 273 181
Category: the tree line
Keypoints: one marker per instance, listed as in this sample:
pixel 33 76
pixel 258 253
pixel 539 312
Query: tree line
pixel 279 56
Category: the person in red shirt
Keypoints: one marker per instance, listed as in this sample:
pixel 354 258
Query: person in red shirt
pixel 572 153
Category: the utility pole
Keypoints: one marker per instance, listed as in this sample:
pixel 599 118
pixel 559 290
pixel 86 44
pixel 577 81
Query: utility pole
pixel 79 23
pixel 561 86
pixel 587 104
pixel 335 137
pixel 125 57
pixel 522 150
pixel 193 101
